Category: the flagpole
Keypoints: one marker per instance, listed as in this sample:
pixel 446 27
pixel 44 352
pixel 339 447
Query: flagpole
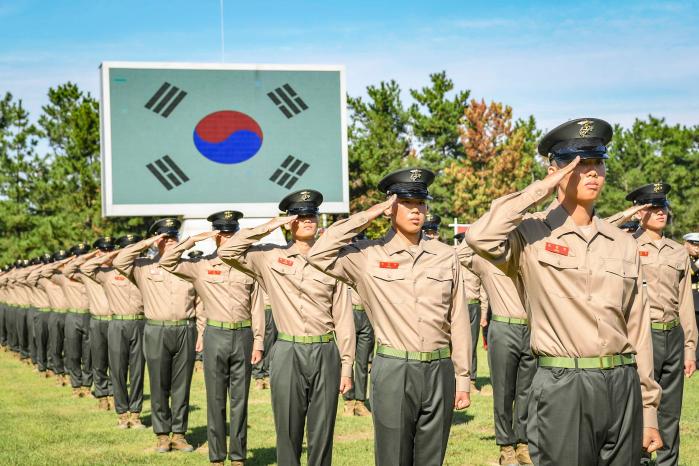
pixel 223 43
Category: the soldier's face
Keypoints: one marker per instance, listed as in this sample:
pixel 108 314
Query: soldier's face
pixel 585 182
pixel 305 227
pixel 222 236
pixel 431 234
pixel 653 218
pixel 692 248
pixel 408 215
pixel 166 243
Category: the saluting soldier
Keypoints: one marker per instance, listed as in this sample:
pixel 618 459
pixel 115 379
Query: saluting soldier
pixel 100 316
pixel 41 319
pixel 590 326
pixel 3 307
pixel 311 310
pixel 30 310
pixel 124 334
pixel 22 307
pixel 195 254
pixel 512 365
pixel 13 342
pixel 667 281
pixel 170 333
pixel 365 342
pixel 691 243
pixel 77 323
pixel 415 300
pixel 430 229
pixel 233 338
pixel 260 371
pixel 57 317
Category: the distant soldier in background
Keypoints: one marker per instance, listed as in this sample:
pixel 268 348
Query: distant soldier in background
pixel 125 334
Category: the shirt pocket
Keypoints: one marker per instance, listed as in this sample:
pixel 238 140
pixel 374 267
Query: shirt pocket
pixel 671 272
pixel 619 281
pixel 214 277
pixel 389 284
pixel 560 275
pixel 441 279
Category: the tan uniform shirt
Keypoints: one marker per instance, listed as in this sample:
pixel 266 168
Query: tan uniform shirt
pixel 228 295
pixel 73 290
pixel 304 300
pixel 21 292
pixel 415 295
pixel 502 294
pixel 165 296
pixel 40 298
pixel 356 300
pixel 10 293
pixel 97 300
pixel 123 296
pixel 584 297
pixel 667 274
pixel 57 300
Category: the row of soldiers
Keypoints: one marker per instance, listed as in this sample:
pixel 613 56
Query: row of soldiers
pixel 588 323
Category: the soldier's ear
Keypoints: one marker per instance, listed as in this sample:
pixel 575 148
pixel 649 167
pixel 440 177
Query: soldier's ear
pixel 552 168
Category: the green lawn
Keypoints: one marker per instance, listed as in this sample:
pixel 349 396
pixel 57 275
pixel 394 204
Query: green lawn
pixel 41 424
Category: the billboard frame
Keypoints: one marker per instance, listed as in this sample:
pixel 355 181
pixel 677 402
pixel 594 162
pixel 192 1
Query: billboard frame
pixel 199 210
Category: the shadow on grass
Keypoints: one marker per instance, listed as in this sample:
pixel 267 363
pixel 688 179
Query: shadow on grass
pixel 461 418
pixel 482 382
pixel 261 457
pixel 488 438
pixel 197 436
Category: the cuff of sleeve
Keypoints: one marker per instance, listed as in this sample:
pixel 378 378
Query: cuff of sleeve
pixel 650 417
pixel 347 370
pixel 258 346
pixel 463 384
pixel 690 354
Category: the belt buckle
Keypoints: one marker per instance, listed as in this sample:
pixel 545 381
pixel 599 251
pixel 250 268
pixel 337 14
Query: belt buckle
pixel 611 362
pixel 425 357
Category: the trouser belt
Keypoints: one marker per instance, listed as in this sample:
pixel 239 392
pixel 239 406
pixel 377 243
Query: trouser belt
pixel 306 339
pixel 510 320
pixel 422 356
pixel 44 309
pixel 107 318
pixel 599 362
pixel 474 301
pixel 169 323
pixel 357 308
pixel 268 308
pixel 665 325
pixel 78 311
pixel 129 317
pixel 229 325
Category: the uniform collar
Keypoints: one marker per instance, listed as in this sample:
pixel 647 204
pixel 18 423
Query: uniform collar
pixel 645 239
pixel 561 223
pixel 393 244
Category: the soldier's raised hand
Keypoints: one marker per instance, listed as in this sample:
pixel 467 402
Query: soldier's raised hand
pixel 554 178
pixel 382 207
pixel 276 222
pixel 205 235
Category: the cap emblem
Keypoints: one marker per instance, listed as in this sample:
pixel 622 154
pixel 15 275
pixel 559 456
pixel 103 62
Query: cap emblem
pixel 169 223
pixel 228 214
pixel 586 127
pixel 305 196
pixel 657 187
pixel 415 175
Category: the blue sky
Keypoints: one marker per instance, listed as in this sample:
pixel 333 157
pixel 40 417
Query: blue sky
pixel 616 60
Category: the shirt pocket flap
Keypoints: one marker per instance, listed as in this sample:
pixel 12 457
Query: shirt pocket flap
pixel 325 279
pixel 439 274
pixel 621 268
pixel 241 278
pixel 672 263
pixel 558 261
pixel 388 275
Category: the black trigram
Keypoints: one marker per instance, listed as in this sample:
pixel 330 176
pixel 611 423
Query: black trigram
pixel 289 172
pixel 167 172
pixel 287 100
pixel 166 99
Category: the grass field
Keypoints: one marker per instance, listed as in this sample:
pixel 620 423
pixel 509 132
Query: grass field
pixel 42 424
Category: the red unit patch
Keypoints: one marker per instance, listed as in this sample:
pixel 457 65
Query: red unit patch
pixel 643 253
pixel 557 249
pixel 283 261
pixel 213 272
pixel 388 265
pixel 119 277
